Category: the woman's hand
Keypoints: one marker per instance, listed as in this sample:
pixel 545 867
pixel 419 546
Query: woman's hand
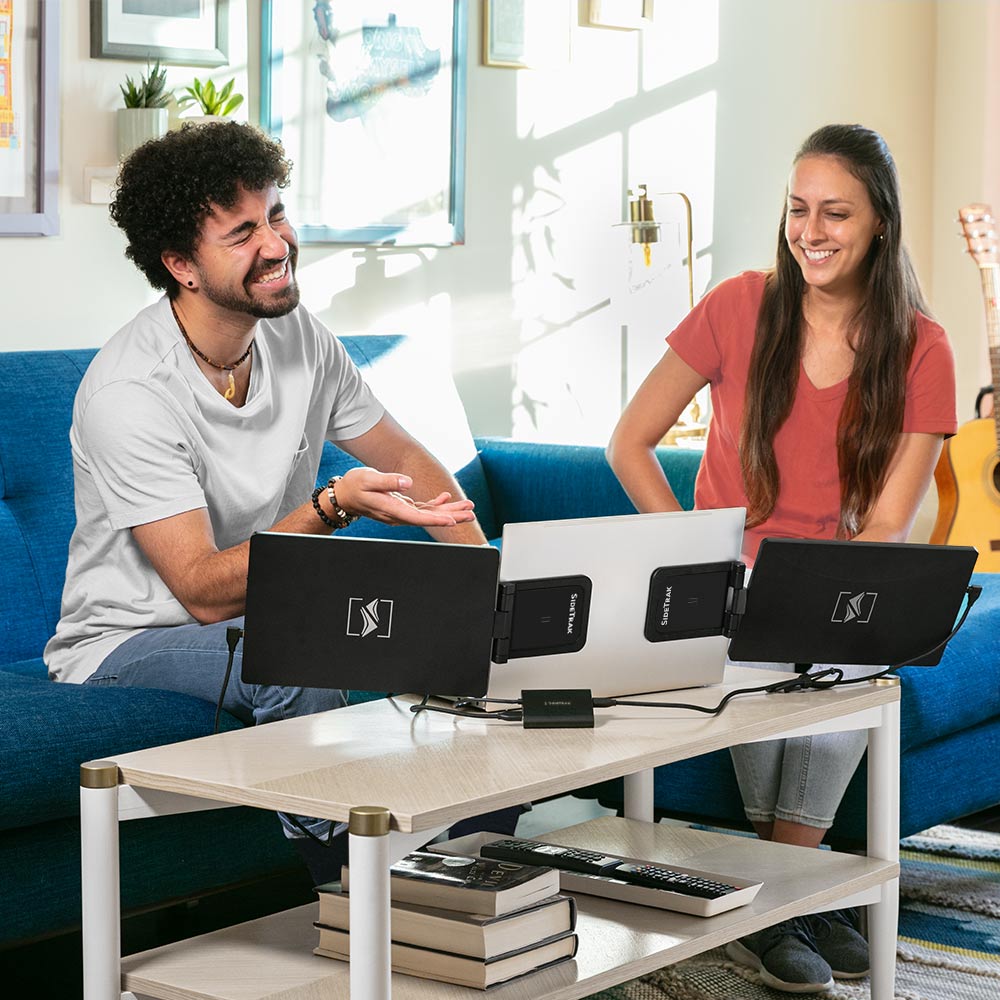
pixel 382 497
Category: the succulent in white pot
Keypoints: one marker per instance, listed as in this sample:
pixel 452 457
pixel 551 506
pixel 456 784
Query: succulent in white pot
pixel 144 116
pixel 214 104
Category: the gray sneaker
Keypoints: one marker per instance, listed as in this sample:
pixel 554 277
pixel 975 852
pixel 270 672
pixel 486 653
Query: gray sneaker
pixel 785 957
pixel 836 937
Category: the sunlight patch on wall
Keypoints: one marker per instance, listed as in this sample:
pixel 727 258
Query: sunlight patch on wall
pixel 349 290
pixel 684 37
pixel 320 277
pixel 562 268
pixel 603 72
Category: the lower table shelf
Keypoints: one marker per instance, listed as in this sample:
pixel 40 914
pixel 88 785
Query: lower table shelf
pixel 273 956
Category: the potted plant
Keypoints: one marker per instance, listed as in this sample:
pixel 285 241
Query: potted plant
pixel 214 104
pixel 144 116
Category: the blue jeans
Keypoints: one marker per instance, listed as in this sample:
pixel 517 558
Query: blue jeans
pixel 191 659
pixel 803 779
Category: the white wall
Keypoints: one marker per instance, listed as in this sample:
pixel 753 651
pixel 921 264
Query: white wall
pixel 713 100
pixel 966 169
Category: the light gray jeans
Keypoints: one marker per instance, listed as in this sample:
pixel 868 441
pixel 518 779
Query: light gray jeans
pixel 803 779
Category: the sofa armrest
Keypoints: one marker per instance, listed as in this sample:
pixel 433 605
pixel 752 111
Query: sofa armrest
pixel 529 481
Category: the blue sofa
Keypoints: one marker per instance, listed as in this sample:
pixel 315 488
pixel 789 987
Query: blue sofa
pixel 951 715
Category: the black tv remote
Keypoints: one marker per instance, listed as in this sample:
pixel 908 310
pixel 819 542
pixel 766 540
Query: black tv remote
pixel 655 877
pixel 534 852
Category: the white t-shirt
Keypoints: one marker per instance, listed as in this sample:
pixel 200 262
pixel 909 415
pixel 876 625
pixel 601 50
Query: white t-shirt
pixel 152 438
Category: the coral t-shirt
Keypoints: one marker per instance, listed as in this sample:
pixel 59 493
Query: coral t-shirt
pixel 716 340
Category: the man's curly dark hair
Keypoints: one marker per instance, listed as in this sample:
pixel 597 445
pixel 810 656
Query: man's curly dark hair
pixel 166 186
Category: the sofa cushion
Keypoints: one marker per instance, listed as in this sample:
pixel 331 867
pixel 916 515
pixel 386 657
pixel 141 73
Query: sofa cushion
pixel 537 481
pixel 964 689
pixel 47 730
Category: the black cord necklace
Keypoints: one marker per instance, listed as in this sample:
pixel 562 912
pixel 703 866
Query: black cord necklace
pixel 229 369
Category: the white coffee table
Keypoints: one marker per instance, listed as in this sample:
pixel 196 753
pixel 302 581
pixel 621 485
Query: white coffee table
pixel 422 773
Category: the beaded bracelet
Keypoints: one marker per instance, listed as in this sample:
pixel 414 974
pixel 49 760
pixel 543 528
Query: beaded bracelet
pixel 339 511
pixel 319 510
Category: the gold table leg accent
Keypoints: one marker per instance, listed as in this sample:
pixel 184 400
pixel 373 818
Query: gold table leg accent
pixel 99 774
pixel 369 821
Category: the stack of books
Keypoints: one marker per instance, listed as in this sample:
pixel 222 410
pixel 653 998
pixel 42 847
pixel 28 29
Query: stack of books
pixel 462 920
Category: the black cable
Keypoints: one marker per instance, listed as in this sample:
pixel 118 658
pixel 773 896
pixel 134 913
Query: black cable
pixel 505 715
pixel 326 841
pixel 233 636
pixel 823 680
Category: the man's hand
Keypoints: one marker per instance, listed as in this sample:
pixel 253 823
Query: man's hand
pixel 381 496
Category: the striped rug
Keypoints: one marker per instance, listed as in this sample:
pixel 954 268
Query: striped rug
pixel 949 934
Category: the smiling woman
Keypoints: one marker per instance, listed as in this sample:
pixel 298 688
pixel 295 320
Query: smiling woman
pixel 831 392
pixel 829 224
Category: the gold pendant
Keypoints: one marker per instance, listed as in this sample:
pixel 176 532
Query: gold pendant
pixel 231 391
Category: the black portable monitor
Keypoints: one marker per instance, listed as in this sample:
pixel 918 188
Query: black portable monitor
pixel 373 615
pixel 878 603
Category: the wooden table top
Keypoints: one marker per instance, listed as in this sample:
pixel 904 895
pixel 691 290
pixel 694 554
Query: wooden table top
pixel 431 769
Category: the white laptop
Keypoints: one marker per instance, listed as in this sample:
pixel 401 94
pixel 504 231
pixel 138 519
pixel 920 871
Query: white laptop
pixel 605 592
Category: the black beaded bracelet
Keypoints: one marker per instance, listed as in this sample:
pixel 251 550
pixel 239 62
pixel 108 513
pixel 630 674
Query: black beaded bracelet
pixel 319 510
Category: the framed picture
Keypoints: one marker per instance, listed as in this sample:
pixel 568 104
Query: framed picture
pixel 625 14
pixel 185 32
pixel 29 117
pixel 522 35
pixel 368 100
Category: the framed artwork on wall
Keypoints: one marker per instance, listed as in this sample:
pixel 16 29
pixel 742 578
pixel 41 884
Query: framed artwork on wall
pixel 368 100
pixel 29 117
pixel 505 41
pixel 522 35
pixel 624 14
pixel 183 32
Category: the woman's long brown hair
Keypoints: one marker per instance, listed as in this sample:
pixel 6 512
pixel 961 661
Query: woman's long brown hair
pixel 883 334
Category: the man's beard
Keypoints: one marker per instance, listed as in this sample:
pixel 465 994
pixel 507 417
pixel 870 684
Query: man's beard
pixel 271 309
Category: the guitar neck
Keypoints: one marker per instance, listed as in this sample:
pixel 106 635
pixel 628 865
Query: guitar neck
pixel 990 278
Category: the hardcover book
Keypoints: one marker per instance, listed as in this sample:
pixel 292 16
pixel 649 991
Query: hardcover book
pixel 475 885
pixel 473 934
pixel 459 969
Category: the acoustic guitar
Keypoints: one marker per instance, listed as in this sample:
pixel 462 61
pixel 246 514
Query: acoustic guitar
pixel 968 472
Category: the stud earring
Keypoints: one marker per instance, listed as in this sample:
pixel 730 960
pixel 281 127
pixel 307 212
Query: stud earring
pixel 191 283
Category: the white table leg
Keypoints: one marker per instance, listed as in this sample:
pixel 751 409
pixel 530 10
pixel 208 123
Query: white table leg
pixel 101 915
pixel 371 967
pixel 883 842
pixel 638 798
